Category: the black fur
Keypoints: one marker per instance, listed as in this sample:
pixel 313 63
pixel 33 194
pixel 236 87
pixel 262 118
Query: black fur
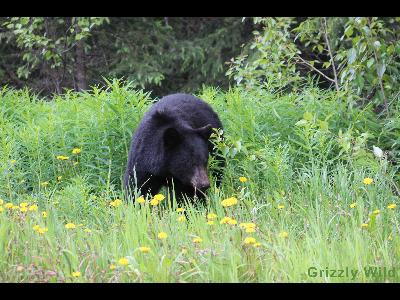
pixel 171 141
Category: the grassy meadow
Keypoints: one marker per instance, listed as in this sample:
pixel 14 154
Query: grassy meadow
pixel 311 195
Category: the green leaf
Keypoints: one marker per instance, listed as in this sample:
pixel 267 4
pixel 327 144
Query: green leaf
pixel 352 54
pixel 380 70
pixel 370 62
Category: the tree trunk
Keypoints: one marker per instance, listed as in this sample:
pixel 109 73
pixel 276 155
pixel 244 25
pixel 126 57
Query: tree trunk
pixel 80 63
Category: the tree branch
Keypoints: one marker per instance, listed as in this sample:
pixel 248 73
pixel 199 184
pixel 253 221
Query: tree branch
pixel 330 55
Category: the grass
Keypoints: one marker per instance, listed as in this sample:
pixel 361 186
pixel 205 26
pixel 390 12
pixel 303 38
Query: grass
pixel 301 180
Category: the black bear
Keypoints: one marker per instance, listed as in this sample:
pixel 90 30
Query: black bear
pixel 171 148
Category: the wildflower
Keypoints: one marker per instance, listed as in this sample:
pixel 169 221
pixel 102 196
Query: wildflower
pixel 1 209
pixel 140 200
pixel 283 234
pixel 80 225
pixel 87 230
pixel 62 157
pixel 36 227
pixel 364 225
pixel 257 245
pixel 392 206
pixel 249 240
pixel 181 219
pixel 197 240
pixel 44 214
pixel 180 209
pixel 44 183
pixel 281 206
pixel 23 209
pixel 229 202
pixel 162 235
pixel 232 222
pixel 33 207
pixel 247 225
pixel 23 204
pixel 13 161
pixel 225 220
pixel 123 261
pixel 1 201
pixel 242 179
pixel 76 151
pixel 76 274
pixel 368 181
pixel 113 267
pixel 250 230
pixel 159 197
pixel 59 178
pixel 70 226
pixel 376 212
pixel 154 202
pixel 43 230
pixel 210 222
pixel 353 205
pixel 211 216
pixel 144 249
pixel 116 203
pixel 9 205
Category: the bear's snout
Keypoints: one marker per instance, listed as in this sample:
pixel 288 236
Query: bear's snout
pixel 200 179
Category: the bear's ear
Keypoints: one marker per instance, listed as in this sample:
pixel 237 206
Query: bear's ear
pixel 205 131
pixel 162 116
pixel 172 137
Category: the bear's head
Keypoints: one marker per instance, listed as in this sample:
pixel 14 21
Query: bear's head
pixel 186 151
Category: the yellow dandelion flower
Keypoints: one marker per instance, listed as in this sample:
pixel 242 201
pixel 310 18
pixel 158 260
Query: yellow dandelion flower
pixel 229 202
pixel 281 206
pixel 59 178
pixel 180 209
pixel 257 244
pixel 70 226
pixel 33 207
pixel 249 240
pixel 368 181
pixel 250 230
pixel 13 161
pixel 247 225
pixel 1 201
pixel 123 261
pixel 210 222
pixel 242 179
pixel 211 216
pixel 1 209
pixel 197 240
pixel 159 197
pixel 181 219
pixel 154 202
pixel 353 205
pixel 76 151
pixel 232 222
pixel 364 225
pixel 116 202
pixel 9 205
pixel 376 212
pixel 76 274
pixel 23 209
pixel 392 206
pixel 225 220
pixel 44 214
pixel 144 249
pixel 113 267
pixel 23 204
pixel 283 234
pixel 43 230
pixel 44 183
pixel 79 225
pixel 36 227
pixel 87 230
pixel 140 200
pixel 162 235
pixel 62 157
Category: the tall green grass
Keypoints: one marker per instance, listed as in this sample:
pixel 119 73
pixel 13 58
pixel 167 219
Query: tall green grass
pixel 302 178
